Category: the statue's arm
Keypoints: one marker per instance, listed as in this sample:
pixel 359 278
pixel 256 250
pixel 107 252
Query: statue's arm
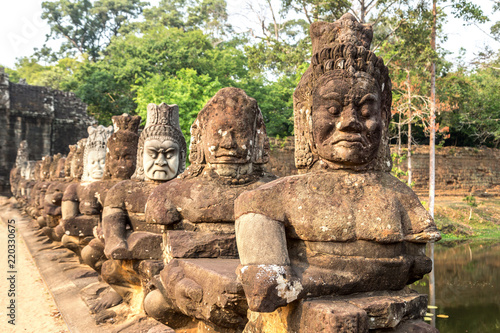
pixel 70 205
pixel 159 209
pixel 261 241
pixel 114 223
pixel 265 269
pixel 69 209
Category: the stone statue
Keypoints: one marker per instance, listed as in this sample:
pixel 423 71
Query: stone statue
pixel 62 178
pixel 80 207
pixel 26 184
pixel 21 161
pixel 161 156
pixel 53 195
pixel 228 148
pixel 344 225
pixel 30 207
pixel 76 166
pixel 40 189
pixel 120 165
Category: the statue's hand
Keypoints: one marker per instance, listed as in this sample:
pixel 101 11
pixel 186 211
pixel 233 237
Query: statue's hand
pixel 188 295
pixel 57 198
pixel 160 212
pixel 268 287
pixel 116 249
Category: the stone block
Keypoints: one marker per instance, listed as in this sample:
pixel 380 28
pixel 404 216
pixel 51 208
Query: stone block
pixel 82 225
pixel 145 245
pixel 193 244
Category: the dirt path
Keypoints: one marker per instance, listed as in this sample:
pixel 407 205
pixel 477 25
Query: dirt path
pixel 36 310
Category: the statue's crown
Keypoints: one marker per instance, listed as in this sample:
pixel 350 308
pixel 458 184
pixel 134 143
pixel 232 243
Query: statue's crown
pixel 98 136
pixel 163 114
pixel 346 30
pixel 126 122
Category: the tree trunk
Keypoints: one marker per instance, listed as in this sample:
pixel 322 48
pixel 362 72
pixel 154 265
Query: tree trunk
pixel 409 126
pixel 432 158
pixel 399 134
pixel 362 11
pixel 432 126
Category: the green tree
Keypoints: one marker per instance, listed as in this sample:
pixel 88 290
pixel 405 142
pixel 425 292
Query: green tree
pixel 106 85
pixel 59 76
pixel 186 88
pixel 87 26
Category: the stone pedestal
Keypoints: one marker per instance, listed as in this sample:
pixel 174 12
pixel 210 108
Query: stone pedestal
pixel 398 311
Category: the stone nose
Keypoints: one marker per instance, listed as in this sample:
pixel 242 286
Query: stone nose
pixel 161 160
pixel 227 140
pixel 348 121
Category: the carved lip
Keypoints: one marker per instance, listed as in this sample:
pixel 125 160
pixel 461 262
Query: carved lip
pixel 224 159
pixel 349 140
pixel 97 173
pixel 228 154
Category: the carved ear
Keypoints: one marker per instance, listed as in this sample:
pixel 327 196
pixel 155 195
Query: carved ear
pixel 303 152
pixel 182 164
pixel 261 146
pixel 196 154
pixel 139 167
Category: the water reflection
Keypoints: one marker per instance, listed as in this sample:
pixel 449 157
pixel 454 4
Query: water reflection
pixel 467 287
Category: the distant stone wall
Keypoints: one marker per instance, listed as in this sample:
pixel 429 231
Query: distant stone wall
pixel 49 120
pixel 459 170
pixel 281 159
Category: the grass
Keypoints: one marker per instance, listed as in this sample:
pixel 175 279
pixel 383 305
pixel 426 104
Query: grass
pixel 452 219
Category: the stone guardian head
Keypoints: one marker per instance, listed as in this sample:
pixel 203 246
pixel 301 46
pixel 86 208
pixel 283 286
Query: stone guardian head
pixel 121 148
pixel 342 105
pixel 229 133
pixel 77 159
pixel 161 154
pixel 95 153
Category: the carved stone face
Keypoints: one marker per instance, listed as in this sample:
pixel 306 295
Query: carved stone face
pixel 346 119
pixel 161 159
pixel 121 162
pixel 95 164
pixel 227 138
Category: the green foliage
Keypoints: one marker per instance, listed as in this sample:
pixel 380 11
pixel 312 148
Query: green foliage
pixel 471 200
pixel 475 118
pixel 87 26
pixel 315 10
pixel 58 76
pixel 183 51
pixel 186 88
pixel 397 161
pixel 104 94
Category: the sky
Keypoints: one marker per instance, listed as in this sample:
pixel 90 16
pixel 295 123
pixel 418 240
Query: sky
pixel 22 29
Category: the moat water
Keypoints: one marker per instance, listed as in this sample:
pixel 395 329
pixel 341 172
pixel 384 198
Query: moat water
pixel 467 284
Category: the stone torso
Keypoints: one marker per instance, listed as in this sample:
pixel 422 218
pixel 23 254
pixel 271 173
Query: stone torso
pixel 340 206
pixel 197 203
pixel 346 231
pixel 131 196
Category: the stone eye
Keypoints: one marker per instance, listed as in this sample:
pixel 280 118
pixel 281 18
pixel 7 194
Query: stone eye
pixel 170 154
pixel 367 105
pixel 335 108
pixel 366 110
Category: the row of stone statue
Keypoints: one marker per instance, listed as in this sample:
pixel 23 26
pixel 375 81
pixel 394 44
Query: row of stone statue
pixel 227 244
